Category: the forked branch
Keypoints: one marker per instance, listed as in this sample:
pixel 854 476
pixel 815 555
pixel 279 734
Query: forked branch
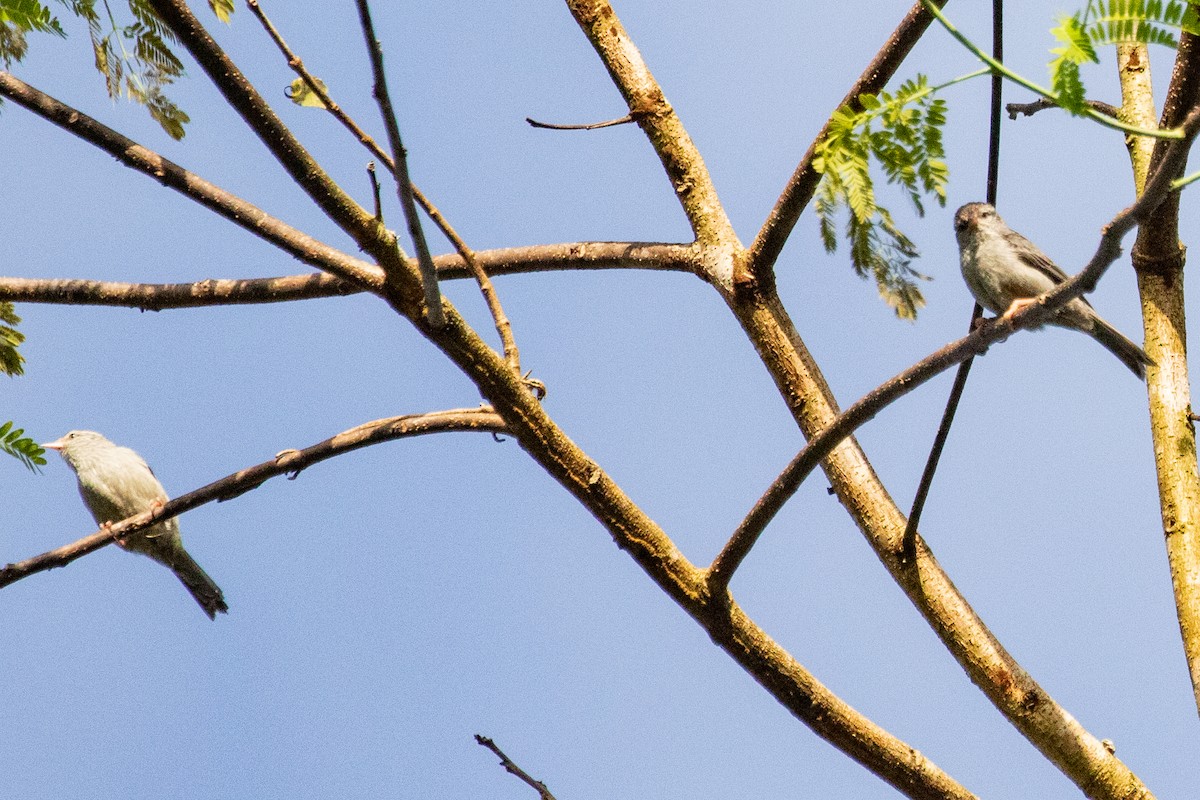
pixel 821 445
pixel 765 250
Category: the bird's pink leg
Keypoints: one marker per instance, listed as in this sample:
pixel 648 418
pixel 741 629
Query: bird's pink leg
pixel 1019 304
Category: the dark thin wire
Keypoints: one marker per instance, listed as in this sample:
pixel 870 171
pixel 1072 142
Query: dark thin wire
pixel 909 545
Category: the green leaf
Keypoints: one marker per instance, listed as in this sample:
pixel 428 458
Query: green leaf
pixel 29 15
pixel 10 339
pixel 902 133
pixel 1069 87
pixel 222 8
pixel 12 44
pixel 301 94
pixel 1076 44
pixel 20 447
pixel 135 59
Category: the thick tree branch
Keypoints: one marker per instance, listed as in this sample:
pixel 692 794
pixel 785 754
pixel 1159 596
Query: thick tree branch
pixel 795 688
pixel 248 216
pixel 1158 259
pixel 663 257
pixel 633 531
pixel 765 250
pixel 288 462
pixel 649 107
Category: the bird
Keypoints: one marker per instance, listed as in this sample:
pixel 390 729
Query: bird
pixel 1005 271
pixel 116 483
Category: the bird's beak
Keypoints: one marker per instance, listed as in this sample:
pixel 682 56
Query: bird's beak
pixel 57 444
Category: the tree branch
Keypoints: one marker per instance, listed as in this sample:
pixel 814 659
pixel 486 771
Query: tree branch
pixel 511 767
pixel 633 531
pixel 241 95
pixel 765 250
pixel 822 444
pixel 248 216
pixel 287 462
pixel 1041 104
pixel 586 126
pixel 1159 260
pixel 649 107
pixel 404 188
pixel 506 261
pixel 403 285
pixel 486 287
pixel 1056 733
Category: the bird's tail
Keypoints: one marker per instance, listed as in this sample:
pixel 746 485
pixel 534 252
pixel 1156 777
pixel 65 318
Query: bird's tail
pixel 1130 354
pixel 202 587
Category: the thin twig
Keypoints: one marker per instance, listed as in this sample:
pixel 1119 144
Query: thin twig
pixel 375 194
pixel 402 284
pixel 800 187
pixel 908 547
pixel 1036 314
pixel 318 88
pixel 503 326
pixel 513 769
pixel 1041 104
pixel 288 462
pixel 404 190
pixel 590 126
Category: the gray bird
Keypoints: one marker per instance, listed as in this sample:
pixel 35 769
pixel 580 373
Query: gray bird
pixel 1004 271
pixel 116 483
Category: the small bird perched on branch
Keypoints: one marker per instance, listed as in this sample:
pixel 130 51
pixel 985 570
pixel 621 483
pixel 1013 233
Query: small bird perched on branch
pixel 116 483
pixel 1005 271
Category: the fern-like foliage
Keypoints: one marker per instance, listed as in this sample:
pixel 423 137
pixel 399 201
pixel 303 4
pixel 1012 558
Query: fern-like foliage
pixel 134 57
pixel 14 443
pixel 19 17
pixel 903 133
pixel 10 339
pixel 1112 22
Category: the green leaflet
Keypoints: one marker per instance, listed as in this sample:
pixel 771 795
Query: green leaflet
pixel 1114 22
pixel 10 338
pixel 20 447
pixel 902 133
pixel 134 58
pixel 17 18
pixel 222 8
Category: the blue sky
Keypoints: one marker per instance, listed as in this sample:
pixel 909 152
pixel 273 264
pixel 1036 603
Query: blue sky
pixel 388 605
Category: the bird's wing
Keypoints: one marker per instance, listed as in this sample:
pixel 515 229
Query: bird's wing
pixel 1032 255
